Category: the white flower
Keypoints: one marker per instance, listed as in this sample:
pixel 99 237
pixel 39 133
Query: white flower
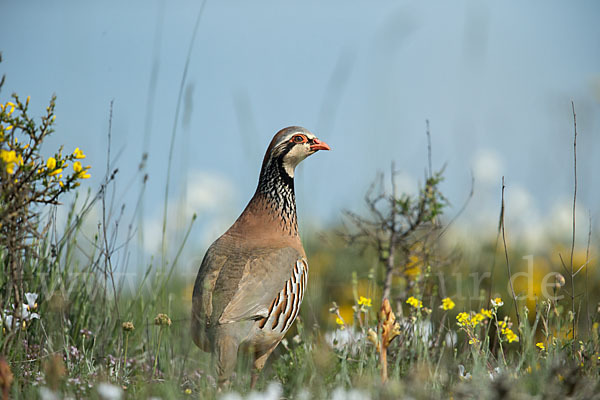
pixel 29 306
pixel 273 392
pixel 353 394
pixel 27 314
pixel 8 319
pixel 106 391
pixel 31 299
pixel 462 375
pixel 304 394
pixel 345 340
pixel 231 396
pixel 497 302
pixel 451 339
pixel 494 373
pixel 47 394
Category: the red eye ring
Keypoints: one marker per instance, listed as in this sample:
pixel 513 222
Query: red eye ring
pixel 299 139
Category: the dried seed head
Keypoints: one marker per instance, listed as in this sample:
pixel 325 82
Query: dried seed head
pixel 162 320
pixel 128 326
pixel 560 280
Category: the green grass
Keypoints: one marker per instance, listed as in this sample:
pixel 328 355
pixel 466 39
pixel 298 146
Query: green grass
pixel 75 296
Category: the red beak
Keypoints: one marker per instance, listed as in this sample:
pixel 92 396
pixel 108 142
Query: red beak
pixel 318 145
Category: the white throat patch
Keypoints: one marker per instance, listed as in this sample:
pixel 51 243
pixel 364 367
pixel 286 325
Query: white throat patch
pixel 294 157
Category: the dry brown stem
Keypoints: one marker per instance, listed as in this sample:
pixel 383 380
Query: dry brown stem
pixel 389 329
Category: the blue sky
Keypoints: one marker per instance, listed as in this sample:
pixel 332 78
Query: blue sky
pixel 495 80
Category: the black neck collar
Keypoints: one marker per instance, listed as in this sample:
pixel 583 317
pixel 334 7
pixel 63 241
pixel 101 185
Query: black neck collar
pixel 277 188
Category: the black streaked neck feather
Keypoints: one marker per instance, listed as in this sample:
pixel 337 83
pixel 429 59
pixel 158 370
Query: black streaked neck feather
pixel 277 188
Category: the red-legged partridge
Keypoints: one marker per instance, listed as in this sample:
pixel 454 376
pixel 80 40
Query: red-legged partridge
pixel 252 280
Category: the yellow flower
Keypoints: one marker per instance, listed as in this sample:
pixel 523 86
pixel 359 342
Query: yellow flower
pixel 363 301
pixel 78 154
pixel 84 174
pixel 416 303
pixel 51 163
pixel 486 313
pixel 541 345
pixel 470 319
pixel 463 319
pixel 340 322
pixel 56 172
pixel 502 324
pixel 473 341
pixel 447 304
pixel 188 391
pixel 476 319
pixel 8 156
pixel 510 335
pixel 10 159
pixel 77 166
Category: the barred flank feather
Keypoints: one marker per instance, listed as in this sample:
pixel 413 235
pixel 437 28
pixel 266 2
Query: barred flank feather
pixel 284 308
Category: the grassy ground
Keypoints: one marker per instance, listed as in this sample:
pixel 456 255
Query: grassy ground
pixel 79 343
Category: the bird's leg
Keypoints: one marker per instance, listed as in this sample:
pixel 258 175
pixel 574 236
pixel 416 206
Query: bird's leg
pixel 260 358
pixel 254 378
pixel 226 351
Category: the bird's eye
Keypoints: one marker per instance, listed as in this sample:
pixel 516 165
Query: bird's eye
pixel 299 139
